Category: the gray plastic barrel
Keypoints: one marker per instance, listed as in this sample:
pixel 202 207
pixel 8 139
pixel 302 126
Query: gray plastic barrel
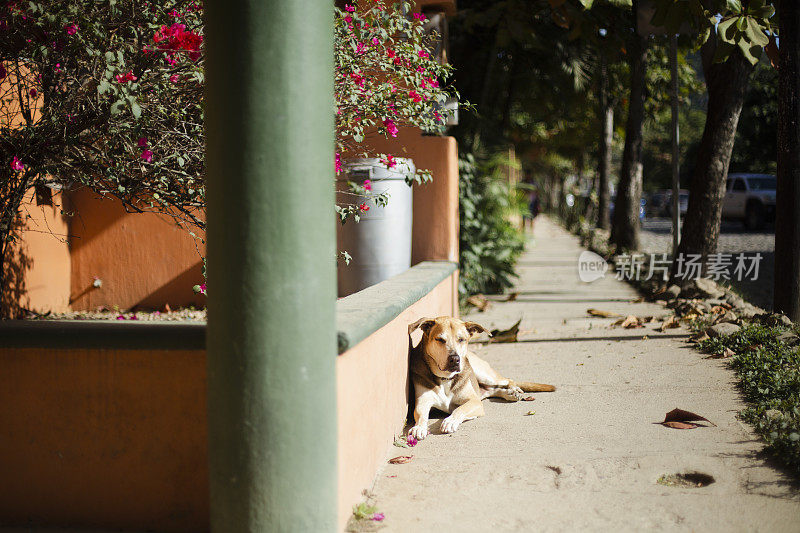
pixel 380 243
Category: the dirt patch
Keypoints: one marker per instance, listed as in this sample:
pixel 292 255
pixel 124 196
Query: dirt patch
pixel 691 480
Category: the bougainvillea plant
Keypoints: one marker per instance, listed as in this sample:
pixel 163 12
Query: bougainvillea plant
pixel 109 95
pixel 106 94
pixel 385 79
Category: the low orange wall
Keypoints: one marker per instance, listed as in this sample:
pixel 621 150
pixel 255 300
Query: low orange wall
pixel 435 227
pixel 372 385
pixel 143 259
pixel 104 439
pixel 117 439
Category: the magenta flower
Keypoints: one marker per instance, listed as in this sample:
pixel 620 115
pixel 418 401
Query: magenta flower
pixel 415 96
pixel 349 8
pixel 174 14
pixel 147 156
pixel 338 163
pixel 411 441
pixel 72 29
pixel 377 517
pixel 124 78
pixel 375 41
pixel 420 16
pixel 368 185
pixel 391 129
pixel 142 143
pixel 364 207
pixel 120 317
pixel 389 161
pixel 423 53
pixel 16 164
pixel 174 78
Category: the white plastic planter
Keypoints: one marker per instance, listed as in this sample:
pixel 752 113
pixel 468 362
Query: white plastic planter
pixel 380 243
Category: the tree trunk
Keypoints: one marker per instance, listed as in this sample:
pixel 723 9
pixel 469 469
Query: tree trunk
pixel 606 113
pixel 727 87
pixel 787 217
pixel 625 227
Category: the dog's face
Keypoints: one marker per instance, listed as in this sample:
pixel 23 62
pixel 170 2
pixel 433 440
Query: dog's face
pixel 444 342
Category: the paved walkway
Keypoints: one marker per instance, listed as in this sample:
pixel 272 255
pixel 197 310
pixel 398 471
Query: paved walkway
pixel 589 458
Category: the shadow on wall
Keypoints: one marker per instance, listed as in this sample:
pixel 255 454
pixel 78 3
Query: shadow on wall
pixel 16 265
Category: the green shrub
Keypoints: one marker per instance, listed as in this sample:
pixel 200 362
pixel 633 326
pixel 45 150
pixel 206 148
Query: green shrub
pixel 489 243
pixel 770 379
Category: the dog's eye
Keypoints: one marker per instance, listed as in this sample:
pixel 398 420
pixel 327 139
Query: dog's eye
pixel 441 340
pixel 461 339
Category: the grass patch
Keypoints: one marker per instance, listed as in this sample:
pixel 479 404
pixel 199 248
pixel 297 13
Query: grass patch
pixel 770 379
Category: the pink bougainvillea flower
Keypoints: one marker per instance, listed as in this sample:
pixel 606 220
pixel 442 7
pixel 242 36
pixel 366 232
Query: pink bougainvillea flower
pixel 415 96
pixel 349 8
pixel 437 116
pixel 360 48
pixel 147 156
pixel 368 185
pixel 364 207
pixel 411 441
pixel 375 41
pixel 349 19
pixel 142 142
pixel 423 53
pixel 72 29
pixel 389 161
pixel 391 129
pixel 124 78
pixel 338 163
pixel 420 16
pixel 174 14
pixel 120 317
pixel 174 78
pixel 16 164
pixel 377 517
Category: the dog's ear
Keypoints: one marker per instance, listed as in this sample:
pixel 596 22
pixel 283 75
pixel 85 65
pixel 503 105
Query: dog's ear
pixel 476 329
pixel 424 324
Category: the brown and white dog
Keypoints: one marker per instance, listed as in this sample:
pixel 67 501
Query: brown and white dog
pixel 448 377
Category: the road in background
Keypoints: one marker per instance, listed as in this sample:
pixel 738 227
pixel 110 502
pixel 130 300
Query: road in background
pixel 656 237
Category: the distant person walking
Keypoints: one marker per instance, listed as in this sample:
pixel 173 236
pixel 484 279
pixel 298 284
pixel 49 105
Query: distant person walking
pixel 533 209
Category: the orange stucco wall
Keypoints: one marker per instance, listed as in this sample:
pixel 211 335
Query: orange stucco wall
pixel 372 385
pixel 39 265
pixel 143 259
pixel 104 439
pixel 117 439
pixel 435 227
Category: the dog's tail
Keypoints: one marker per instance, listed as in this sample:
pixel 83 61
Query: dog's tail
pixel 527 386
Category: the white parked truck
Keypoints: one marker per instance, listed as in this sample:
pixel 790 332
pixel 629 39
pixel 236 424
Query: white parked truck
pixel 750 198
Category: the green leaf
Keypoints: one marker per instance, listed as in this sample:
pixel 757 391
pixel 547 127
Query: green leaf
pixel 110 57
pixel 103 87
pixel 755 35
pixel 727 30
pixel 116 107
pixel 735 6
pixel 136 109
pixel 587 4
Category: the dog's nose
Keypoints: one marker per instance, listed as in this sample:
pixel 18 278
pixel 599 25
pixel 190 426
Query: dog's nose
pixel 453 359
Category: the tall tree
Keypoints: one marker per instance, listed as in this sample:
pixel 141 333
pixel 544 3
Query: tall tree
pixel 787 223
pixel 625 225
pixel 727 87
pixel 606 115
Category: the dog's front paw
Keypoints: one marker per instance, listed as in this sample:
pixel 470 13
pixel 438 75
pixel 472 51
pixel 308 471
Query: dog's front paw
pixel 419 432
pixel 449 424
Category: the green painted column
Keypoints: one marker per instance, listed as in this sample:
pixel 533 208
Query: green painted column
pixel 271 265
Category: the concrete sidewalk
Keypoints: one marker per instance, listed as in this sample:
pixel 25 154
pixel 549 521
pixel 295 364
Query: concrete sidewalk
pixel 589 458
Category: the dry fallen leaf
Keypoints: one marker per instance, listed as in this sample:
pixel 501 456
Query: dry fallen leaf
pixel 671 322
pixel 401 459
pixel 512 296
pixel 679 425
pixel 727 352
pixel 699 337
pixel 719 309
pixel 479 301
pixel 529 413
pixel 679 415
pixel 528 399
pixel 629 322
pixel 507 335
pixel 601 313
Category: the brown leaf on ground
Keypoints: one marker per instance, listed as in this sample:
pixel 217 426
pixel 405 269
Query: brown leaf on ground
pixel 679 425
pixel 754 347
pixel 507 335
pixel 727 352
pixel 679 415
pixel 720 309
pixel 671 322
pixel 629 322
pixel 699 337
pixel 602 314
pixel 479 301
pixel 528 399
pixel 511 297
pixel 401 459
